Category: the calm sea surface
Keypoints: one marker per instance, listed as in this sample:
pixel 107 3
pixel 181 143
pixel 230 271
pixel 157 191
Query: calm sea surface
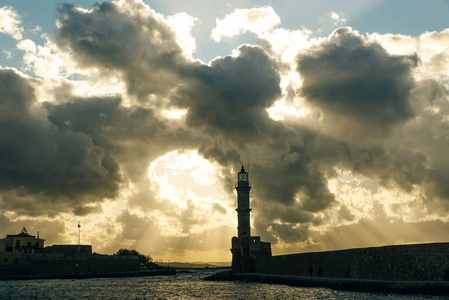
pixel 183 286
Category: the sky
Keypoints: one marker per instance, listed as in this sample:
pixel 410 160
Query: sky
pixel 134 117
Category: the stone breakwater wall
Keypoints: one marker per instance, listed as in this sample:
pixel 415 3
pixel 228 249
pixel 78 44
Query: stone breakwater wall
pixel 425 262
pixel 73 265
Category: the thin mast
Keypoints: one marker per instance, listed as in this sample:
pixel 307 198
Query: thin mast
pixel 79 236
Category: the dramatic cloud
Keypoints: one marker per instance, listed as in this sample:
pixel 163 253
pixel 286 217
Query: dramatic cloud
pixel 133 135
pixel 232 94
pixel 57 167
pixel 126 37
pixel 349 78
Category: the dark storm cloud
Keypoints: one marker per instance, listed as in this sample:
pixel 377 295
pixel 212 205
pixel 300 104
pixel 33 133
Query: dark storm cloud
pixel 105 120
pixel 232 94
pixel 392 165
pixel 284 181
pixel 349 77
pixel 228 100
pixel 290 234
pixel 36 158
pixel 428 135
pixel 131 40
pixel 134 136
pixel 415 156
pixel 65 157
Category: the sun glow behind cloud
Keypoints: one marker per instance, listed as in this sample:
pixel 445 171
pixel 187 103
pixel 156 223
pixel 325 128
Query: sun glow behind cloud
pixel 174 113
pixel 280 110
pixel 188 181
pixel 182 23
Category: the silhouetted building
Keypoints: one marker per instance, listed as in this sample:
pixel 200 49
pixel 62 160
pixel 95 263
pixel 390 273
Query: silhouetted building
pixel 24 254
pixel 246 248
pixel 69 250
pixel 15 247
pixel 22 242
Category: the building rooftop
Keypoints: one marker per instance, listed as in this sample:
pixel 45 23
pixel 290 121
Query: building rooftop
pixel 22 234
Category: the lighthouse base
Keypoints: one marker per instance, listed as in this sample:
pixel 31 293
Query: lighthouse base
pixel 244 253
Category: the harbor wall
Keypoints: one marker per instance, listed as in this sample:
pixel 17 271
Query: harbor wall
pixel 72 265
pixel 403 262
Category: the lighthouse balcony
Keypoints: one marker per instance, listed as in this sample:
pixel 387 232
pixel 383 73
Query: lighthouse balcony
pixel 243 184
pixel 243 209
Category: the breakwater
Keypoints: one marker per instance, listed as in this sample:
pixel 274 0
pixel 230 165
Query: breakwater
pixel 360 285
pixel 418 262
pixel 383 286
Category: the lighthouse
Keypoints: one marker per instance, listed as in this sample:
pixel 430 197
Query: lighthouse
pixel 243 209
pixel 245 248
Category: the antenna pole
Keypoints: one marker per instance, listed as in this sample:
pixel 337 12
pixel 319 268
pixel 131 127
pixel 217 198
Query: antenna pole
pixel 79 236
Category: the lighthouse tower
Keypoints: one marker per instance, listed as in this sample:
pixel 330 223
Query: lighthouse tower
pixel 245 248
pixel 243 187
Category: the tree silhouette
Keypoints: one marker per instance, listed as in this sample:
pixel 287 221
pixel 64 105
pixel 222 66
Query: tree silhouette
pixel 144 259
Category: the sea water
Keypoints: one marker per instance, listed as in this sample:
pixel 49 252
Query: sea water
pixel 182 286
